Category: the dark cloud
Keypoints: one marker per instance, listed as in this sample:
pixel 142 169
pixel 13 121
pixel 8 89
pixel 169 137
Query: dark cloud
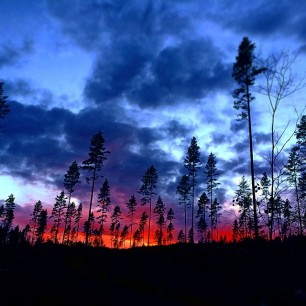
pixel 96 23
pixel 40 145
pixel 218 138
pixel 19 87
pixel 117 71
pixel 10 54
pixel 147 51
pixel 187 71
pixel 238 165
pixel 261 138
pixel 174 129
pixel 238 125
pixel 264 18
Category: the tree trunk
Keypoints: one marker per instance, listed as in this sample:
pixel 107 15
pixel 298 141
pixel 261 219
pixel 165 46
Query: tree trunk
pixel 90 204
pixel 252 171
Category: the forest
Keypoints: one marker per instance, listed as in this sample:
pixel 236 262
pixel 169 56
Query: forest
pixel 144 255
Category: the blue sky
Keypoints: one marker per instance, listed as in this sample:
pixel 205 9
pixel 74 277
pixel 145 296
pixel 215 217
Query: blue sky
pixel 150 75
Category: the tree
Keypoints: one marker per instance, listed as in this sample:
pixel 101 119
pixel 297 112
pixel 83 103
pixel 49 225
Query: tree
pixel 25 234
pixel 244 73
pixel 142 223
pixel 115 226
pixel 137 237
pixel 235 230
pixel 265 199
pixel 212 183
pixel 57 214
pixel 214 216
pixel 243 199
pixel 201 215
pixel 300 135
pixel 181 237
pixel 71 178
pixel 148 190
pixel 293 176
pixel 4 108
pixel 37 209
pixel 77 218
pixel 42 225
pixel 192 163
pixel 190 236
pixel 159 211
pixel 131 206
pixel 278 85
pixel 286 227
pixel 170 227
pixel 123 235
pixel 97 155
pixel 69 215
pixel 104 202
pixel 8 215
pixel 184 192
pixel 89 227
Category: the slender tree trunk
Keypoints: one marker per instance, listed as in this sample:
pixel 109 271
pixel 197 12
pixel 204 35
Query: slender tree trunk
pixel 66 219
pixel 298 207
pixel 90 204
pixel 211 216
pixel 272 178
pixel 149 222
pixel 192 207
pixel 185 238
pixel 204 217
pixel 131 234
pixel 252 170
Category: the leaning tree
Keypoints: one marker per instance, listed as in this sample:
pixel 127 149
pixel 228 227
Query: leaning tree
pixel 97 155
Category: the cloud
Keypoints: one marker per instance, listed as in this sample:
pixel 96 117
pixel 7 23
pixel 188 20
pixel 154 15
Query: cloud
pixel 238 125
pixel 39 145
pixel 261 138
pixel 264 18
pixel 175 74
pixel 10 54
pixel 98 23
pixel 185 72
pixel 147 53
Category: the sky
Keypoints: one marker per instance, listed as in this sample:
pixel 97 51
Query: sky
pixel 150 75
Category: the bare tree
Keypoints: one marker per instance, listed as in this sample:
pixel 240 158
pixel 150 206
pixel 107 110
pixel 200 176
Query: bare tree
pixel 279 84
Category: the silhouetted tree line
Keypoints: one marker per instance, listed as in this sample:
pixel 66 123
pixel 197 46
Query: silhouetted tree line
pixel 261 208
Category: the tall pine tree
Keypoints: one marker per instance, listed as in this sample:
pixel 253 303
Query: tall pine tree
pixel 192 163
pixel 131 206
pixel 244 73
pixel 184 192
pixel 148 190
pixel 97 155
pixel 159 211
pixel 211 183
pixel 104 202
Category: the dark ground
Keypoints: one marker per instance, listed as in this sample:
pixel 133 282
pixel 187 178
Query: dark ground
pixel 213 274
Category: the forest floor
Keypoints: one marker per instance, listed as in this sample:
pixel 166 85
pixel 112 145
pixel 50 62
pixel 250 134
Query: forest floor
pixel 244 273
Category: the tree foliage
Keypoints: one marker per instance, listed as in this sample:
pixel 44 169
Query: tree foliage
pixel 148 191
pixel 192 163
pixel 93 165
pixel 244 73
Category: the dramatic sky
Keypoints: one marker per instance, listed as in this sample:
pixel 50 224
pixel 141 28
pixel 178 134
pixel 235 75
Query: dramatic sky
pixel 150 75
